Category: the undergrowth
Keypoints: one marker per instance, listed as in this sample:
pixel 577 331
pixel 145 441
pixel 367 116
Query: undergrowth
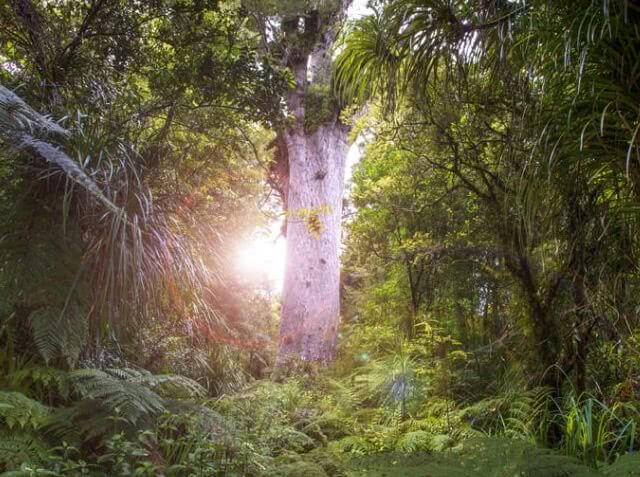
pixel 141 424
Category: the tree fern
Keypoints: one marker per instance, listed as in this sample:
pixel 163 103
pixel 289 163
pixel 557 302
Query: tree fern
pixel 167 385
pixel 116 393
pixel 104 400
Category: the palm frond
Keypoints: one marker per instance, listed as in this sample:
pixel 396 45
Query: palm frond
pixel 365 60
pixel 19 127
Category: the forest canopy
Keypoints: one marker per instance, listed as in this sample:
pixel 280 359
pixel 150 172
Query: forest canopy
pixel 459 300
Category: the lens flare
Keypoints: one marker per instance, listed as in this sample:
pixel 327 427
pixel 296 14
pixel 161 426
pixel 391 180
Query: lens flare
pixel 261 258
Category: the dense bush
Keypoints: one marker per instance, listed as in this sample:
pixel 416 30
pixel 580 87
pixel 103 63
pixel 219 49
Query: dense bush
pixel 490 311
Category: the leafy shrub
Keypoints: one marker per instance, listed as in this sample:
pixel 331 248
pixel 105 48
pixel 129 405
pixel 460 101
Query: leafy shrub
pixel 415 441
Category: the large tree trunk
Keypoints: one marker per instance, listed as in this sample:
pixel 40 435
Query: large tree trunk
pixel 316 155
pixel 311 300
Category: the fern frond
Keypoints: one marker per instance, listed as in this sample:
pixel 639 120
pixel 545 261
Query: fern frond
pixel 118 395
pixel 18 411
pixel 171 385
pixel 415 441
pixel 58 332
pixel 355 445
pixel 21 419
pixel 18 447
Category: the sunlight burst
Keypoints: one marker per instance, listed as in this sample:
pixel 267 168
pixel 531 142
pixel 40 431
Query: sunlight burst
pixel 262 258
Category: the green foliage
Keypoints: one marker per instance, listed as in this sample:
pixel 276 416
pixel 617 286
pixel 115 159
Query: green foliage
pixel 275 417
pixel 516 413
pixel 20 124
pixel 392 381
pixel 17 448
pixel 320 107
pixel 303 22
pixel 588 429
pixel 54 310
pixel 300 469
pixel 126 392
pixel 626 465
pixel 483 195
pixel 490 264
pixel 101 402
pixel 355 445
pixel 596 432
pixel 479 234
pixel 17 410
pixel 507 457
pixel 21 419
pixel 367 59
pixel 487 457
pixel 415 441
pixel 94 243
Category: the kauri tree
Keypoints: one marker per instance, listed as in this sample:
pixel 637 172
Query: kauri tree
pixel 311 150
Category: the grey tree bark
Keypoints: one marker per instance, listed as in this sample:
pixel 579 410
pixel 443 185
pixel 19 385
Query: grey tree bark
pixel 311 292
pixel 316 161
